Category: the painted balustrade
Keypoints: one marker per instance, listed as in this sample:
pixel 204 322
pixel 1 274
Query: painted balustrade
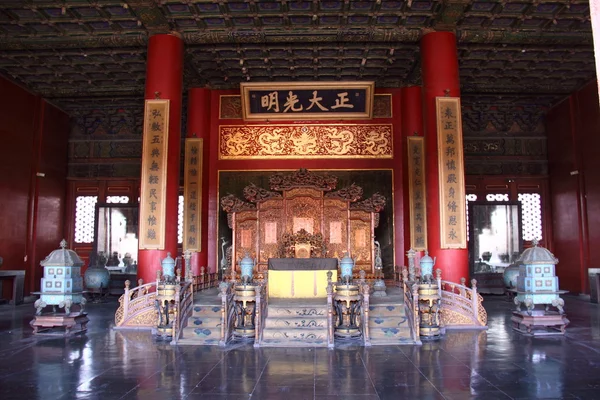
pixel 366 335
pixel 226 292
pixel 137 306
pixel 184 302
pixel 261 307
pixel 330 324
pixel 461 306
pixel 205 280
pixel 411 305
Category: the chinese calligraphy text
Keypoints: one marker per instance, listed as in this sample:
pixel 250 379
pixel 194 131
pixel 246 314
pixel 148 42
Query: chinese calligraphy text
pixel 154 175
pixel 311 100
pixel 192 194
pixel 417 193
pixel 453 228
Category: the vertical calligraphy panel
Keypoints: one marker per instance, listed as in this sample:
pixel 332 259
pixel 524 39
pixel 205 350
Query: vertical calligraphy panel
pixel 417 193
pixel 154 174
pixel 453 228
pixel 192 195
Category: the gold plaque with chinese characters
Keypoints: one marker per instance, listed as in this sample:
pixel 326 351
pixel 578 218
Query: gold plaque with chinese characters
pixel 453 231
pixel 192 195
pixel 417 193
pixel 307 100
pixel 154 174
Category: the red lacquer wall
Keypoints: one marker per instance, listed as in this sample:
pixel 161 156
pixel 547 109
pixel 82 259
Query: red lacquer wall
pixel 34 135
pixel 216 165
pixel 573 141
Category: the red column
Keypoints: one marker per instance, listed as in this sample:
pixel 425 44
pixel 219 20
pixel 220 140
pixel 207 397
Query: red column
pixel 198 125
pixel 412 125
pixel 440 73
pixel 164 76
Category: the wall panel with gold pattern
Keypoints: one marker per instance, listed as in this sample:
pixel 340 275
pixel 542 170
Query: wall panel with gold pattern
pixel 361 239
pixel 305 141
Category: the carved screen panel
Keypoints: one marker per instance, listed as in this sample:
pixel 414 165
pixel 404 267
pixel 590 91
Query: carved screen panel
pixel 361 239
pixel 272 224
pixel 303 210
pixel 245 235
pixel 335 226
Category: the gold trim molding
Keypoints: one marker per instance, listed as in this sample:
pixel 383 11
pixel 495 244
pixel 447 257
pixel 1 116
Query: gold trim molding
pixel 240 142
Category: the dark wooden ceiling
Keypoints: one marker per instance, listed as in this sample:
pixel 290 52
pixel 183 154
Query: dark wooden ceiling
pixel 89 53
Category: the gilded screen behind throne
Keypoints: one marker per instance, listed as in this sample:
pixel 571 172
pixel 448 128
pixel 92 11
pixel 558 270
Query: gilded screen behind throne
pixel 321 212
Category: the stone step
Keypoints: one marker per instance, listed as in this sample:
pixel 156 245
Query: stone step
pixel 296 322
pixel 387 321
pixel 204 321
pixel 388 336
pixel 200 335
pixel 199 310
pixel 294 337
pixel 309 311
pixel 380 310
pixel 386 332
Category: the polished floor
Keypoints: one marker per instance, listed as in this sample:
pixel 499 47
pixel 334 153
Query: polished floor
pixel 107 364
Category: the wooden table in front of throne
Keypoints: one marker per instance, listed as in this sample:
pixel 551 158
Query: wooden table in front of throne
pixel 300 277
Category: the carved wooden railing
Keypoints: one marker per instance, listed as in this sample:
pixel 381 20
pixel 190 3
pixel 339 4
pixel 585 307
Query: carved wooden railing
pixel 461 306
pixel 261 306
pixel 136 307
pixel 226 292
pixel 366 335
pixel 330 325
pixel 398 276
pixel 411 307
pixel 184 302
pixel 205 280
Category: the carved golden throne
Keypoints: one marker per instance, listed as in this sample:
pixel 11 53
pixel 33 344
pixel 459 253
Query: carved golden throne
pixel 302 244
pixel 303 216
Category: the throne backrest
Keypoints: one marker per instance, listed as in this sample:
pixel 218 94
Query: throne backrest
pixel 302 250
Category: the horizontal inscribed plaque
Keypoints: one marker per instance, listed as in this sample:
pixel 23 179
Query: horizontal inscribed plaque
pixel 154 174
pixel 417 193
pixel 309 100
pixel 305 141
pixel 192 194
pixel 453 231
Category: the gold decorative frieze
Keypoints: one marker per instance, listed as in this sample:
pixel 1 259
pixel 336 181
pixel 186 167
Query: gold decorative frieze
pixel 154 174
pixel 453 229
pixel 192 195
pixel 417 193
pixel 305 141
